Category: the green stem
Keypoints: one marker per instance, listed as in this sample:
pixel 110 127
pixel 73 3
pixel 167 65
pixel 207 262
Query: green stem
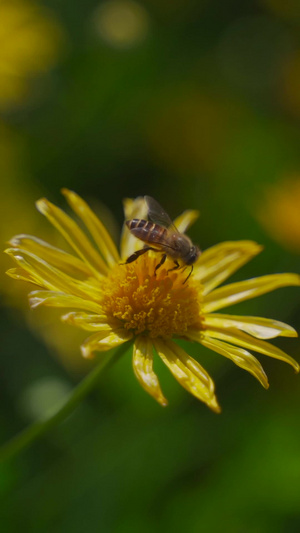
pixel 37 429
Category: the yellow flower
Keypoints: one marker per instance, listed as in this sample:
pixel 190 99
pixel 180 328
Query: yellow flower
pixel 279 212
pixel 118 302
pixel 30 42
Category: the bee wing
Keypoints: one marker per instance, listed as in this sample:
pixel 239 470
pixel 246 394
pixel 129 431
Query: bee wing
pixel 158 215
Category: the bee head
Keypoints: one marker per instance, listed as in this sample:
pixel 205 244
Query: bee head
pixel 193 255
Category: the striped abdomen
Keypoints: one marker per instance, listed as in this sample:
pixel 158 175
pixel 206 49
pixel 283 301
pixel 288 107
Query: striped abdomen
pixel 147 231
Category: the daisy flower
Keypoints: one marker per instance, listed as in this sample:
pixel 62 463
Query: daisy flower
pixel 119 302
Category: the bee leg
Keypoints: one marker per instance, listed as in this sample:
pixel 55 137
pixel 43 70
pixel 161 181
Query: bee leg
pixel 192 268
pixel 177 265
pixel 135 255
pixel 163 258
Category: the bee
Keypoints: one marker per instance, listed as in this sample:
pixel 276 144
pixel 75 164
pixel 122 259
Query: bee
pixel 160 235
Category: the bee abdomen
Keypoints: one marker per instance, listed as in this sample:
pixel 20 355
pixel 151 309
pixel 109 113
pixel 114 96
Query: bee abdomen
pixel 146 231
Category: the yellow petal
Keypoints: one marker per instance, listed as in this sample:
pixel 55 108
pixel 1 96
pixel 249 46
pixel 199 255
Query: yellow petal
pixel 103 341
pixel 186 219
pixel 88 322
pixel 239 356
pixel 24 261
pixel 143 369
pixel 219 262
pixel 188 372
pixel 95 227
pixel 50 277
pixel 261 328
pixel 133 209
pixel 21 275
pixel 244 340
pixel 73 235
pixel 243 290
pixel 56 257
pixel 60 299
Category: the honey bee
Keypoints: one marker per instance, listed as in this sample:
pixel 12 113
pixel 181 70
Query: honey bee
pixel 161 234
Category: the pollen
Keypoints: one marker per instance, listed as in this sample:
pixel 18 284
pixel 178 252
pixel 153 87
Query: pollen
pixel 160 305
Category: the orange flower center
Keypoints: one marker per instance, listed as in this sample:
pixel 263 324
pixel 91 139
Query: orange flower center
pixel 161 305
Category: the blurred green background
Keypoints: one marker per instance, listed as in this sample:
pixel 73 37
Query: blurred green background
pixel 197 103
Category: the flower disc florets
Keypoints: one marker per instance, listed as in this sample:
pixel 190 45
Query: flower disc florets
pixel 160 305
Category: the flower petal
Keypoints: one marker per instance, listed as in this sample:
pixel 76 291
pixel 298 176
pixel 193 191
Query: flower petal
pixel 103 341
pixel 56 257
pixel 50 277
pixel 133 209
pixel 88 322
pixel 143 368
pixel 21 275
pixel 219 262
pixel 188 372
pixel 244 340
pixel 261 328
pixel 94 225
pixel 239 356
pixel 186 219
pixel 243 290
pixel 73 235
pixel 61 299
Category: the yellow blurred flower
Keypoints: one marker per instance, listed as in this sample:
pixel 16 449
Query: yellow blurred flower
pixel 17 196
pixel 118 302
pixel 30 41
pixel 280 212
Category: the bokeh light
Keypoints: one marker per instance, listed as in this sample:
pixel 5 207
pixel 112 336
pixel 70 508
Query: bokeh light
pixel 44 397
pixel 279 212
pixel 121 23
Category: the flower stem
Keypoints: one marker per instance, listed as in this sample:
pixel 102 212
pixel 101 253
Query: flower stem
pixel 37 429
